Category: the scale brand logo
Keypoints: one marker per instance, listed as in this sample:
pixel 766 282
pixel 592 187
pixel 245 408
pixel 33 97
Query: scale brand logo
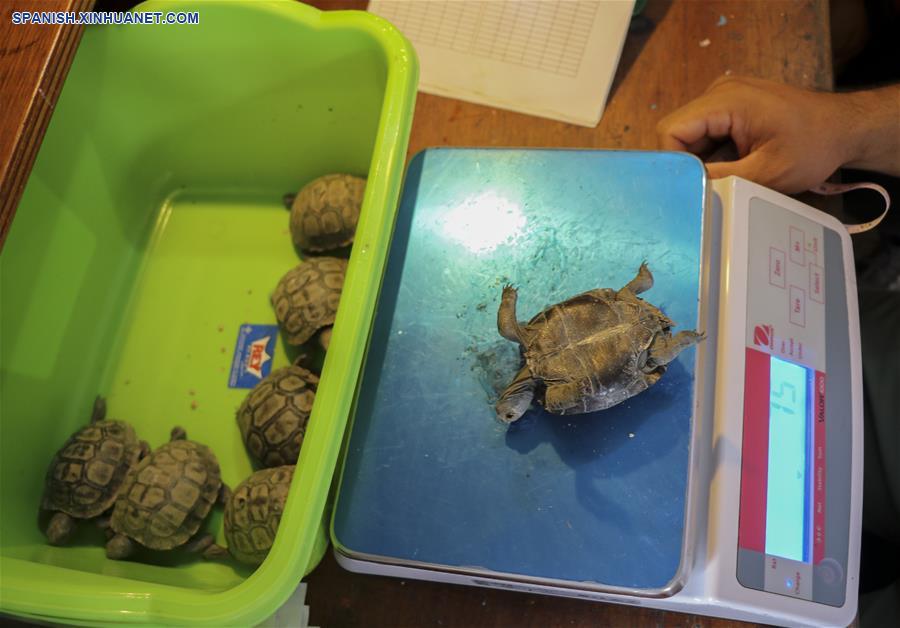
pixel 252 358
pixel 764 336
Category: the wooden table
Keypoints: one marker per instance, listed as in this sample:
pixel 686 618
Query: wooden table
pixel 34 61
pixel 663 66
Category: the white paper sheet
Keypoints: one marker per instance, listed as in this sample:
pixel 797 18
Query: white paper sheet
pixel 550 58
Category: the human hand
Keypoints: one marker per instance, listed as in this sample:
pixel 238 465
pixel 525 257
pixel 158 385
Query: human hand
pixel 787 138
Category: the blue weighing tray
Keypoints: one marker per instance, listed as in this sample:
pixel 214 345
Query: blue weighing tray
pixel 430 477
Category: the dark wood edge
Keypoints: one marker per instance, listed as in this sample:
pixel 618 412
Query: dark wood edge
pixel 28 143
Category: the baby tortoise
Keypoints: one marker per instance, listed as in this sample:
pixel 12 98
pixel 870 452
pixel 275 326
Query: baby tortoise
pixel 273 417
pixel 253 513
pixel 166 498
pixel 86 474
pixel 590 352
pixel 325 212
pixel 306 299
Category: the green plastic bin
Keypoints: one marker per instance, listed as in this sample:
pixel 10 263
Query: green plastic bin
pixel 150 230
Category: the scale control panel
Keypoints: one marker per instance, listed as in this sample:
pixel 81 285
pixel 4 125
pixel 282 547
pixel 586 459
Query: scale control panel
pixel 795 457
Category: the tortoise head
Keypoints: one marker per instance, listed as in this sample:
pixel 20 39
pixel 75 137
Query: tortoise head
pixel 516 399
pixel 510 409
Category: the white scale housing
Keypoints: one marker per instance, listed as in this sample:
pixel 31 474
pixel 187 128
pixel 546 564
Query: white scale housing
pixel 780 296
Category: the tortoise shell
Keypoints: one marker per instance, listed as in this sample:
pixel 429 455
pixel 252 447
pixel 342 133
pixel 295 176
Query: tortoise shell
pixel 273 417
pixel 597 343
pixel 325 212
pixel 86 474
pixel 306 298
pixel 167 495
pixel 589 352
pixel 254 511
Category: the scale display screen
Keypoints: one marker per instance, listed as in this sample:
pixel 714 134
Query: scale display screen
pixel 788 491
pixel 780 460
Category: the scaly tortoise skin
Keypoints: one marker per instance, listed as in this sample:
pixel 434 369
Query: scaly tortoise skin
pixel 86 474
pixel 166 498
pixel 325 212
pixel 254 511
pixel 590 352
pixel 306 299
pixel 273 417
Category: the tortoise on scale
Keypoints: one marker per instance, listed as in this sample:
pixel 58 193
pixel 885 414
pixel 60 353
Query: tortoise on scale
pixel 589 352
pixel 86 474
pixel 306 299
pixel 166 498
pixel 325 212
pixel 253 513
pixel 273 416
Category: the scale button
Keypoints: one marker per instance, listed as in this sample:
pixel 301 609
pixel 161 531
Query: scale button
pixel 829 570
pixel 797 306
pixel 816 283
pixel 798 246
pixel 776 267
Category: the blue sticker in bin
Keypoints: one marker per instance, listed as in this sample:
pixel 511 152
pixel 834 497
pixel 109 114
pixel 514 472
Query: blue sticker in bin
pixel 252 355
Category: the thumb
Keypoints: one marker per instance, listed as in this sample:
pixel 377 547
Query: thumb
pixel 755 166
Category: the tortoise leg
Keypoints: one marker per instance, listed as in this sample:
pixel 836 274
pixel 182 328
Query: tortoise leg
pixel 207 547
pixel 644 381
pixel 215 552
pixel 103 523
pixel 60 528
pixel 99 411
pixel 144 450
pixel 642 282
pixel 119 547
pixel 565 399
pixel 303 361
pixel 506 316
pixel 664 349
pixel 288 200
pixel 177 433
pixel 517 397
pixel 325 338
pixel 224 494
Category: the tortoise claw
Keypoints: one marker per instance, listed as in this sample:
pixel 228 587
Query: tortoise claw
pixel 99 411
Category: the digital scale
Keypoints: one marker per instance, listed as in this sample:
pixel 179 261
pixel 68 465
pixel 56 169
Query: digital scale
pixel 731 488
